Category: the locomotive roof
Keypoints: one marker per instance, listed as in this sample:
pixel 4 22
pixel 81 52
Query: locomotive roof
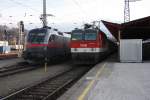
pixel 77 30
pixel 49 28
pixel 91 30
pixel 38 29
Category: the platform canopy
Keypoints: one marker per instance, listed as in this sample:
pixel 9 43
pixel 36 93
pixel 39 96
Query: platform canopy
pixel 112 27
pixel 136 29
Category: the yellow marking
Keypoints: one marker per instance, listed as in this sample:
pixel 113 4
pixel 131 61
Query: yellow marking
pixel 84 93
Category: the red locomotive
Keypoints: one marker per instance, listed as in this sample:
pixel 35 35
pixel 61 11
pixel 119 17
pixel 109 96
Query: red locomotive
pixel 89 45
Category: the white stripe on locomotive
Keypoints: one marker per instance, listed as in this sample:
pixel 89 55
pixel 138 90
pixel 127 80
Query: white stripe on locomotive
pixel 86 50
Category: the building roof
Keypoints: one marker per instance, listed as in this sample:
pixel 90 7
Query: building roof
pixel 138 29
pixel 112 27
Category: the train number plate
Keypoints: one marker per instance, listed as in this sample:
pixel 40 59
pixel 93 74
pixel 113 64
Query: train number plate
pixel 83 45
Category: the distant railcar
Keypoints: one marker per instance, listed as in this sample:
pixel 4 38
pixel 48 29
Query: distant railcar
pixel 46 43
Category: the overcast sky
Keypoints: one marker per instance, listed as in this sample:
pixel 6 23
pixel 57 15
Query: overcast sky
pixel 69 13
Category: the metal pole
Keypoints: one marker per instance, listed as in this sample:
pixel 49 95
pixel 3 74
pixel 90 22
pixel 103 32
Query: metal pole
pixel 5 39
pixel 45 64
pixel 19 42
pixel 126 11
pixel 45 24
pixel 21 38
pixel 44 14
pixel 119 38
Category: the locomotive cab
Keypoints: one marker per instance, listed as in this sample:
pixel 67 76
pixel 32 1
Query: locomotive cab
pixel 84 45
pixel 36 44
pixel 88 45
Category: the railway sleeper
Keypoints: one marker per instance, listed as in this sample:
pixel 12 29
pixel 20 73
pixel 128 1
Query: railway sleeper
pixel 50 89
pixel 46 90
pixel 49 86
pixel 41 90
pixel 38 93
pixel 31 96
pixel 26 97
pixel 56 82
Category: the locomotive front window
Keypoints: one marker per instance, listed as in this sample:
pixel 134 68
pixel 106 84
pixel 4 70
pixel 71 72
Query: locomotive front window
pixel 76 36
pixel 90 36
pixel 36 37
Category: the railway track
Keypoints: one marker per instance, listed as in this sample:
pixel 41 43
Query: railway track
pixel 16 68
pixel 51 88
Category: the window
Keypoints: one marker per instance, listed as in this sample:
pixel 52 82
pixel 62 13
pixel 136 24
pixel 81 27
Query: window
pixel 52 38
pixel 90 36
pixel 77 36
pixel 36 37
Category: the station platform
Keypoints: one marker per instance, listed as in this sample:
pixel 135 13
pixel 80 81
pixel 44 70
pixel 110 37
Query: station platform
pixel 111 80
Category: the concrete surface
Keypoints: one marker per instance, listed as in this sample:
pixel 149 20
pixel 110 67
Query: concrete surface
pixel 113 81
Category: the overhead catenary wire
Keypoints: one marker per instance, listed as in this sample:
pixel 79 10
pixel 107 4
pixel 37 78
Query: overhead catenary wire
pixel 24 5
pixel 127 10
pixel 6 8
pixel 81 10
pixel 80 7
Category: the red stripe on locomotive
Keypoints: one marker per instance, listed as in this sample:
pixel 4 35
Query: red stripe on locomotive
pixel 31 45
pixel 84 44
pixel 50 45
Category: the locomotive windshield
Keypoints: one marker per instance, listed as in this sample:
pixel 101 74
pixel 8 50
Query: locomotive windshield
pixel 90 36
pixel 36 37
pixel 77 36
